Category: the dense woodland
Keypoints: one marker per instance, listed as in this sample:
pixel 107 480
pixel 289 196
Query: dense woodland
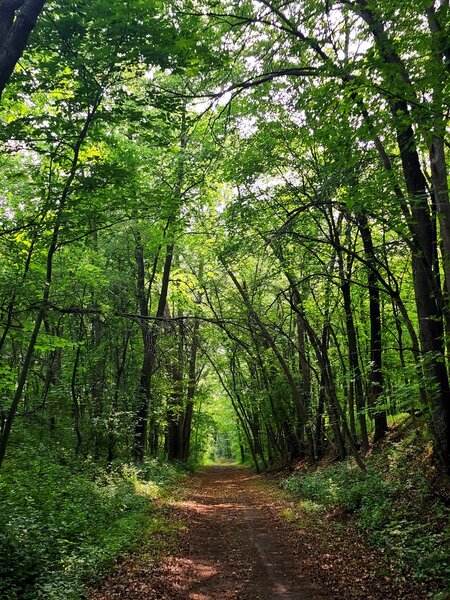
pixel 224 229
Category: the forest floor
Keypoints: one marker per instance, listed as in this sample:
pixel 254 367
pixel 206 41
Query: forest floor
pixel 242 539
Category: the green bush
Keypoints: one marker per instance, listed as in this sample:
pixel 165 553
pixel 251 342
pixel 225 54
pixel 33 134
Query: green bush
pixel 159 472
pixel 391 503
pixel 348 488
pixel 63 524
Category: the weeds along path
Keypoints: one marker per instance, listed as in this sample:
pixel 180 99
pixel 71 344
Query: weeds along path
pixel 235 545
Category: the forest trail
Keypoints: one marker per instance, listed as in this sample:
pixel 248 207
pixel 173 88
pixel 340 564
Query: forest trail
pixel 236 546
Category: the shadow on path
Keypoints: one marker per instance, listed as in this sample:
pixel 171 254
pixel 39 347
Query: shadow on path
pixel 235 546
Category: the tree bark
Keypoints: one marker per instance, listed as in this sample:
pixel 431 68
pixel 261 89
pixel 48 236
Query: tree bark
pixel 427 292
pixel 297 395
pixel 14 33
pixel 376 356
pixel 355 383
pixel 191 389
pixel 175 402
pixel 149 338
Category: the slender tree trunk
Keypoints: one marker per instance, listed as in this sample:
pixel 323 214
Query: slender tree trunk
pixel 145 422
pixel 327 385
pixel 325 368
pixel 297 395
pixel 121 358
pixel 240 413
pixel 175 403
pixel 98 368
pixel 376 368
pixel 148 341
pixel 355 383
pixel 76 414
pixel 302 358
pixel 149 336
pixel 319 431
pixel 191 389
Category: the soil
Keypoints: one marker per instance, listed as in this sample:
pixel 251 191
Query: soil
pixel 235 545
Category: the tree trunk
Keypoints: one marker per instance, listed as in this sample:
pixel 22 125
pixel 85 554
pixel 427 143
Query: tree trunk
pixel 297 395
pixel 149 338
pixel 355 383
pixel 14 33
pixel 376 372
pixel 328 385
pixel 175 402
pixel 427 292
pixel 192 386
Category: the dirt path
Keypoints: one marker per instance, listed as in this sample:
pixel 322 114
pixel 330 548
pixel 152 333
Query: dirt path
pixel 236 546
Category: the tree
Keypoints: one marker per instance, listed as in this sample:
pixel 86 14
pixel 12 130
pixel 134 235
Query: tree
pixel 17 20
pixel 308 48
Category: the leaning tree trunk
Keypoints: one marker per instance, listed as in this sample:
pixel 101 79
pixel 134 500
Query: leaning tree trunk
pixel 299 400
pixel 329 387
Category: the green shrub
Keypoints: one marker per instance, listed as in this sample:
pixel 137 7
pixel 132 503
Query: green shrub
pixel 392 503
pixel 348 488
pixel 64 524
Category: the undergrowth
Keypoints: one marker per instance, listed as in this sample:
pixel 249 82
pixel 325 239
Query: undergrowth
pixel 393 503
pixel 64 523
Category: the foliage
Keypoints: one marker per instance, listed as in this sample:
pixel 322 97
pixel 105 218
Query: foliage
pixel 393 503
pixel 365 494
pixel 64 522
pixel 224 231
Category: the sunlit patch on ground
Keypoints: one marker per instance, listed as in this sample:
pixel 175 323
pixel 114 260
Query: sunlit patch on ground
pixel 236 545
